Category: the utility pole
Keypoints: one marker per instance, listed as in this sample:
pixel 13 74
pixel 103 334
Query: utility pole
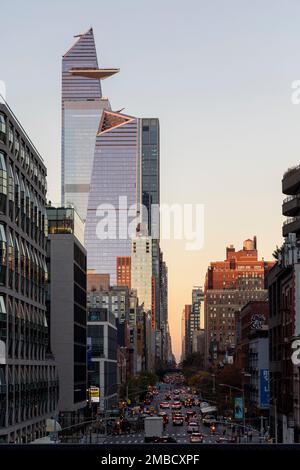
pixel 244 415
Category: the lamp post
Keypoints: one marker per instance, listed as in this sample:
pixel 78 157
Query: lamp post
pixel 56 417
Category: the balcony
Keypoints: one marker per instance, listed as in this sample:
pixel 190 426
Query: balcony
pixel 291 206
pixel 291 181
pixel 291 225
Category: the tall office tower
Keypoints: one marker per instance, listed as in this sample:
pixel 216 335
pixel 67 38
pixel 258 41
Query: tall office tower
pixel 28 378
pixel 229 285
pixel 150 173
pixel 185 326
pixel 114 175
pixel 141 271
pixel 82 107
pixel 66 305
pixel 163 289
pixel 195 317
pixel 124 271
pixel 182 331
pixel 149 196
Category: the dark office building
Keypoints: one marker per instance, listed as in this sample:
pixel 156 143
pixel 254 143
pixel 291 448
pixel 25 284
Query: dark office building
pixel 66 307
pixel 28 379
pixel 150 174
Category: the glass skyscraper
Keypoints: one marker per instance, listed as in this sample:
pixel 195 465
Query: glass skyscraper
pixel 82 107
pixel 114 175
pixel 150 175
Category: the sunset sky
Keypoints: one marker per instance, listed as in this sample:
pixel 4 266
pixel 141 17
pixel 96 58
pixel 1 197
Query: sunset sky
pixel 217 74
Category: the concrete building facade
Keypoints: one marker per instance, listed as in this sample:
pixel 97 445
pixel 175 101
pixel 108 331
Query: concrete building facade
pixel 66 307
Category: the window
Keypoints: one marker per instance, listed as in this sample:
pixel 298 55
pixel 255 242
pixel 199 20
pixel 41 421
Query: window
pixel 2 128
pixel 2 255
pixel 17 146
pixel 3 183
pixel 10 137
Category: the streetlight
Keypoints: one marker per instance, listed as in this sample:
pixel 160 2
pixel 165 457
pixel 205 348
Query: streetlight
pixel 56 418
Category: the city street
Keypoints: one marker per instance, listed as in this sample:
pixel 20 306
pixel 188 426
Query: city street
pixel 179 432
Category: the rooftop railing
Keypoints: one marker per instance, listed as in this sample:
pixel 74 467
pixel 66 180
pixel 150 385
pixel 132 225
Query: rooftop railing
pixel 290 220
pixel 291 170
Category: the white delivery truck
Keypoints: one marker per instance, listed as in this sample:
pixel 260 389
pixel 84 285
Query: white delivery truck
pixel 153 426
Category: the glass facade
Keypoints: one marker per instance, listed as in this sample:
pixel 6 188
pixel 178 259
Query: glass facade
pixel 81 112
pixel 114 174
pixel 102 339
pixel 65 220
pixel 150 174
pixel 28 379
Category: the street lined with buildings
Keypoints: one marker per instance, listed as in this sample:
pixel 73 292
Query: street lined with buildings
pixel 85 340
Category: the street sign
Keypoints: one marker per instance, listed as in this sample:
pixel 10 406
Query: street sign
pixel 264 388
pixel 94 394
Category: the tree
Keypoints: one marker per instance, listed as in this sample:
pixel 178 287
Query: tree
pixel 137 386
pixel 230 375
pixel 277 252
pixel 194 359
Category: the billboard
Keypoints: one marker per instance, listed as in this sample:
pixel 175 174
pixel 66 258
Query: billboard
pixel 238 408
pixel 94 394
pixel 264 388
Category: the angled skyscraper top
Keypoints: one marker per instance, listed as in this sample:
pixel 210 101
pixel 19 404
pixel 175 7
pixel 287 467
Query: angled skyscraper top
pixel 114 174
pixel 82 106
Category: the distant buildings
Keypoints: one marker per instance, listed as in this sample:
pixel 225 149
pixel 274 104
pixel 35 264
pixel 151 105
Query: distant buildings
pixel 191 333
pixel 185 331
pixel 102 351
pixel 195 317
pixel 124 271
pixel 66 308
pixel 229 285
pixel 28 374
pixel 141 271
pixel 198 342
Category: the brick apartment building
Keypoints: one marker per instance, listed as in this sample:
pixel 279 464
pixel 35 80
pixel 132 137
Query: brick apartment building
pixel 229 285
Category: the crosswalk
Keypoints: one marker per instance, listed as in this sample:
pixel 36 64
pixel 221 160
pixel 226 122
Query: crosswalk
pixel 139 439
